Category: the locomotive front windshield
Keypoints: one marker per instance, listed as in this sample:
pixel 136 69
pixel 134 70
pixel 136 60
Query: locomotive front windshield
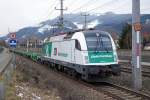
pixel 98 41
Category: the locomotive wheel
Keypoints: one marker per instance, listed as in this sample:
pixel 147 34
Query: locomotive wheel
pixel 75 74
pixel 60 68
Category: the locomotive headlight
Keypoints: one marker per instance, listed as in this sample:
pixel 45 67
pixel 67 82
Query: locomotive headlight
pixel 115 57
pixel 86 59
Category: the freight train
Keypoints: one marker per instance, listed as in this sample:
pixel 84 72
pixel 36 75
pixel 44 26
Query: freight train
pixel 88 54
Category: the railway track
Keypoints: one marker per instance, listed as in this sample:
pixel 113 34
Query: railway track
pixel 112 91
pixel 128 70
pixel 121 93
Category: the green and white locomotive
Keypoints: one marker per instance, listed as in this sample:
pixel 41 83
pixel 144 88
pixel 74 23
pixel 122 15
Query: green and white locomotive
pixel 89 53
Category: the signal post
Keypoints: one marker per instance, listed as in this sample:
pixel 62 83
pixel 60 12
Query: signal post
pixel 136 46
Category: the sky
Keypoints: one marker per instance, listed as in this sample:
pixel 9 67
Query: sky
pixel 16 14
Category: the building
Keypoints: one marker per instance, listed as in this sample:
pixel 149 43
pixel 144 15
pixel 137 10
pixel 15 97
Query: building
pixel 31 44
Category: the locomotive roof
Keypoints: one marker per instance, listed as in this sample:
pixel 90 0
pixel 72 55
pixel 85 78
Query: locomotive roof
pixel 68 35
pixel 85 32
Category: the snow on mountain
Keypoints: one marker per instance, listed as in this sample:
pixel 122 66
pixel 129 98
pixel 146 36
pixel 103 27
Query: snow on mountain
pixel 93 23
pixel 107 21
pixel 37 25
pixel 69 27
pixel 79 26
pixel 44 28
pixel 2 35
pixel 24 36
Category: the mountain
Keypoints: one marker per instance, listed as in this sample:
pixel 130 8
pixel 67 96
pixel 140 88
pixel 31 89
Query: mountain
pixel 115 22
pixel 108 22
pixel 44 29
pixel 146 28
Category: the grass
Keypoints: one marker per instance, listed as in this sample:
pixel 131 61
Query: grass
pixel 1 49
pixel 11 90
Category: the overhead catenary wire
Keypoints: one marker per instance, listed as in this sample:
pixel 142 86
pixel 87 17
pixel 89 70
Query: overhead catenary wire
pixel 96 8
pixel 84 5
pixel 107 3
pixel 145 9
pixel 120 6
pixel 52 6
pixel 49 11
pixel 72 2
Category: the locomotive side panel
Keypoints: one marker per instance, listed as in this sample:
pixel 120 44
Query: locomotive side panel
pixel 79 57
pixel 63 51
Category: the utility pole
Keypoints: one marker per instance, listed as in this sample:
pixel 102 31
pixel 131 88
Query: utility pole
pixel 55 26
pixel 27 45
pixel 35 43
pixel 85 20
pixel 136 45
pixel 61 14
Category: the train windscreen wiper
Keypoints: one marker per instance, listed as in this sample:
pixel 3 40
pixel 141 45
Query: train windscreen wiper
pixel 100 42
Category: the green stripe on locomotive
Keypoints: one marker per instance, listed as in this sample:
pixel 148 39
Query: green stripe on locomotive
pixel 101 57
pixel 47 49
pixel 35 56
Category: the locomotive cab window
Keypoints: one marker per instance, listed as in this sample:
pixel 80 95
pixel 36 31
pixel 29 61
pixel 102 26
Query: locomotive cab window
pixel 77 45
pixel 98 41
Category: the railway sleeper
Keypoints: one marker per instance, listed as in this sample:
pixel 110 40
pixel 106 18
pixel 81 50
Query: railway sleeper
pixel 126 96
pixel 133 97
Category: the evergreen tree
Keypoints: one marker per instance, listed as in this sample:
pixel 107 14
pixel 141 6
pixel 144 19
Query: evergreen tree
pixel 125 42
